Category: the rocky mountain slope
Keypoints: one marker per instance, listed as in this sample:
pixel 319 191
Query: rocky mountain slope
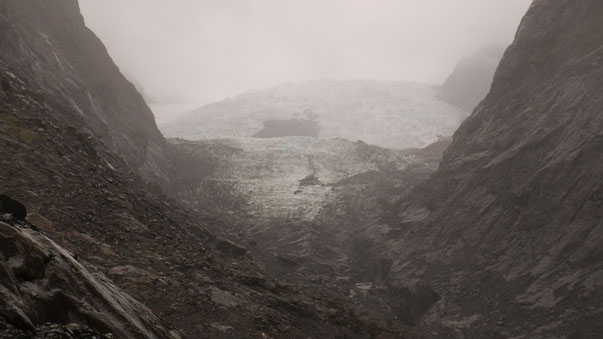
pixel 508 231
pixel 394 114
pixel 49 46
pixel 471 79
pixel 78 176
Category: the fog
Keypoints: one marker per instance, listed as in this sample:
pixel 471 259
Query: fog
pixel 197 51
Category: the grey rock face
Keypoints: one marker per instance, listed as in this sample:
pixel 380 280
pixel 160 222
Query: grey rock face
pixel 49 46
pixel 509 229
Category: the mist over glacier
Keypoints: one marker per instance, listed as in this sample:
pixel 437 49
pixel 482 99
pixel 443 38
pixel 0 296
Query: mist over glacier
pixel 197 52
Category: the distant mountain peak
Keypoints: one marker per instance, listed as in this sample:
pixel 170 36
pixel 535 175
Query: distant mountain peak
pixel 471 79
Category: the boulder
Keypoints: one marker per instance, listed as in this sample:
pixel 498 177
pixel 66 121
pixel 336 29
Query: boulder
pixel 10 206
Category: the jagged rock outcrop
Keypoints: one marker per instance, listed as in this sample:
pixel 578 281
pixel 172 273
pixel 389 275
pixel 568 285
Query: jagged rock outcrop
pixel 509 229
pixel 392 114
pixel 48 44
pixel 471 79
pixel 43 283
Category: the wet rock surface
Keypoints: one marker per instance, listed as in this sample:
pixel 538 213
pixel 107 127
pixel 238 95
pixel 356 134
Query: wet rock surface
pixel 43 283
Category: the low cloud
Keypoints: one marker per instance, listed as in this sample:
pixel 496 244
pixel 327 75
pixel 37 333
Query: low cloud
pixel 198 51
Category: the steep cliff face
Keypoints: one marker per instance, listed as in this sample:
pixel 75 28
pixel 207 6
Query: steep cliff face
pixel 471 79
pixel 49 46
pixel 509 229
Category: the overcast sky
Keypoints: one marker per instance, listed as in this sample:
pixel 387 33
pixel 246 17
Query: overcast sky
pixel 197 51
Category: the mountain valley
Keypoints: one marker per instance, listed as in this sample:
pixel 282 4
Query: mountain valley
pixel 336 209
